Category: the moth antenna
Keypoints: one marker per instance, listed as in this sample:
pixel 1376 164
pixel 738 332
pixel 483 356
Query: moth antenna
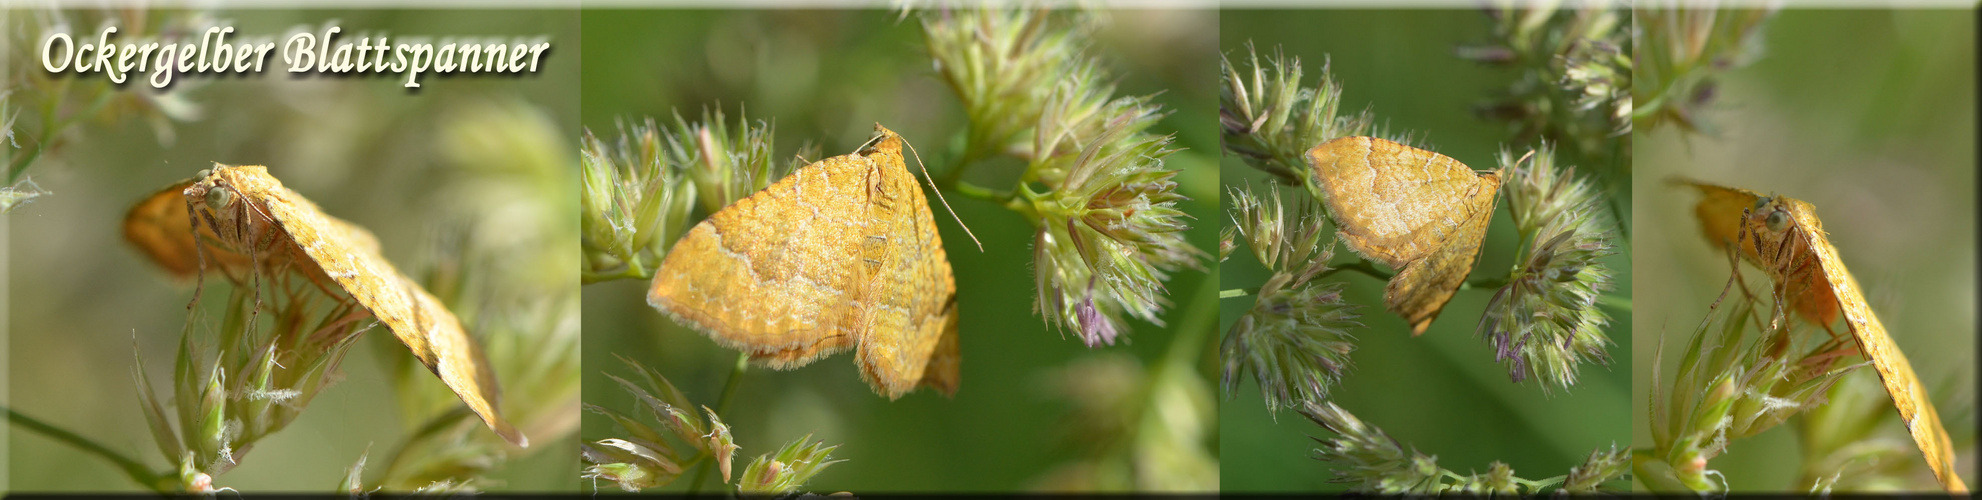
pixel 1524 158
pixel 939 196
pixel 870 142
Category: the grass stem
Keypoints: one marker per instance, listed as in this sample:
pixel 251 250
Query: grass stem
pixel 722 405
pixel 432 428
pixel 133 468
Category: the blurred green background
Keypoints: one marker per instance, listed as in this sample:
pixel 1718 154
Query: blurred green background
pixel 825 77
pixel 1441 393
pixel 488 156
pixel 1870 117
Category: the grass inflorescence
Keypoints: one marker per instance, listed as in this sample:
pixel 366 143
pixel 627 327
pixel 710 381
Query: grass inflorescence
pixel 43 114
pixel 1295 341
pixel 1372 461
pixel 1269 120
pixel 1682 55
pixel 1545 323
pixel 641 186
pixel 1108 231
pixel 646 456
pixel 1746 370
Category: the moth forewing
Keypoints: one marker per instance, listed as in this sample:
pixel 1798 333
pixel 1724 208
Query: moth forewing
pixel 1421 213
pixel 254 228
pixel 1910 397
pixel 1790 245
pixel 840 254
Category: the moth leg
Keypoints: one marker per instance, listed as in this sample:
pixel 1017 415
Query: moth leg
pixel 345 313
pixel 1733 264
pixel 1804 270
pixel 216 240
pixel 247 229
pixel 1734 277
pixel 1835 336
pixel 199 279
pixel 1783 250
pixel 330 288
pixel 1821 358
pixel 1778 292
pixel 1778 315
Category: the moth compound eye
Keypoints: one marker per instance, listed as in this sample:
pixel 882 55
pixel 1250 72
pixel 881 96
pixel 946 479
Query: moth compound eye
pixel 1759 203
pixel 203 173
pixel 1778 220
pixel 219 197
